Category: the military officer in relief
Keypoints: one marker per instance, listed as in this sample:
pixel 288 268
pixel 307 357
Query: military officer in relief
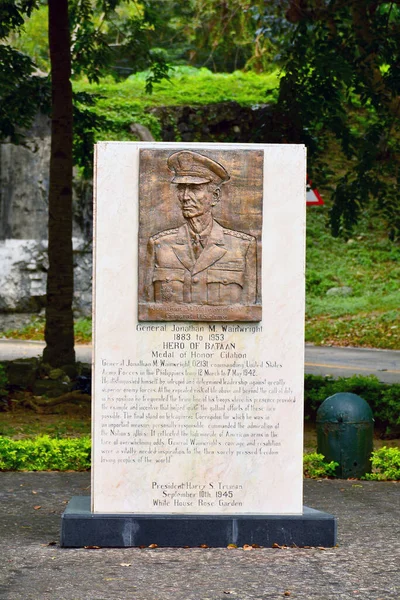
pixel 200 262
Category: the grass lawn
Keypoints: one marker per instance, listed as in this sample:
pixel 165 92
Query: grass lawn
pixel 70 421
pixel 369 264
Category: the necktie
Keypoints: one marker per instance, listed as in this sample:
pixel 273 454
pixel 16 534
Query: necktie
pixel 197 245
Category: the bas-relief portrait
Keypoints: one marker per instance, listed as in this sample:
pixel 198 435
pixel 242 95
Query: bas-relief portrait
pixel 200 235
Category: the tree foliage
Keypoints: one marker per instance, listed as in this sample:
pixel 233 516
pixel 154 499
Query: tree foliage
pixel 226 35
pixel 32 38
pixel 22 93
pixel 135 34
pixel 109 37
pixel 119 37
pixel 341 69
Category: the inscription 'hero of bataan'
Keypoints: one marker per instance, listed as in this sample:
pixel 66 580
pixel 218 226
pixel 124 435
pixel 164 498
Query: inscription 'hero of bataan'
pixel 201 263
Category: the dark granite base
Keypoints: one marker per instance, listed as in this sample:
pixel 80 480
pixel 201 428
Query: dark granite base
pixel 80 527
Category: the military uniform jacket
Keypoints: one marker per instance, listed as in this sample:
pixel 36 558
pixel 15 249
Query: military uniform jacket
pixel 224 272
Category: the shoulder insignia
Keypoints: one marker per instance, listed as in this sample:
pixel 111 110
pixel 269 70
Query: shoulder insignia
pixel 163 233
pixel 239 234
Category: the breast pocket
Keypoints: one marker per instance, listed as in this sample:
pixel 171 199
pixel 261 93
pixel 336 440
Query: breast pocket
pixel 224 287
pixel 168 284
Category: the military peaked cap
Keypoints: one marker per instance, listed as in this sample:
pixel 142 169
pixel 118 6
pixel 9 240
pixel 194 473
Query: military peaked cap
pixel 191 167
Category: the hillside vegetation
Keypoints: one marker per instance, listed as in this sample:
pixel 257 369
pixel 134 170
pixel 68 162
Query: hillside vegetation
pixel 121 104
pixel 187 85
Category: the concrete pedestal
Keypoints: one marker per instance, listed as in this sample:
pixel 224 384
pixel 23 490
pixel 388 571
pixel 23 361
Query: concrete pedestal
pixel 80 527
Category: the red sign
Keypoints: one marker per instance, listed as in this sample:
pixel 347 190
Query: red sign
pixel 313 197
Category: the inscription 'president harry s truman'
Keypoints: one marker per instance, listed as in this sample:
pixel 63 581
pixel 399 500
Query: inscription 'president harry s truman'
pixel 200 262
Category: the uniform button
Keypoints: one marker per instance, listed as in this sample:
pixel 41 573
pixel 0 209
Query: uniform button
pixel 225 281
pixel 167 279
pixel 195 280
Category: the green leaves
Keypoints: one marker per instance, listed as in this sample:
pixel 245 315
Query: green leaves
pixel 21 94
pixel 385 465
pixel 340 57
pixel 100 39
pixel 12 14
pixel 159 69
pixel 315 467
pixel 87 122
pixel 110 36
pixel 45 454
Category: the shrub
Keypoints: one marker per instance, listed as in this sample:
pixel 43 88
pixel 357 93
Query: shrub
pixel 387 406
pixel 385 465
pixel 315 467
pixel 44 454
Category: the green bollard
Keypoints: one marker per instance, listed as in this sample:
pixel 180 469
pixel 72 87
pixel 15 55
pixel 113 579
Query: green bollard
pixel 345 428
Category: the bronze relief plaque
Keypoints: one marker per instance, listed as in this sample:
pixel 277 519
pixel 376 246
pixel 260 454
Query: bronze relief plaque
pixel 200 226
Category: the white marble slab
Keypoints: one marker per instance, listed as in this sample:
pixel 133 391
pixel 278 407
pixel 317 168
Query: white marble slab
pixel 202 418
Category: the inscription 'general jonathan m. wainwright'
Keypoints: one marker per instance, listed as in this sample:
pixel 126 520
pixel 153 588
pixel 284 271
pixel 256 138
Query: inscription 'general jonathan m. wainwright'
pixel 199 270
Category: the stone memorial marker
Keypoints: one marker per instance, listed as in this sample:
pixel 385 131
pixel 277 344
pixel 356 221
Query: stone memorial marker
pixel 198 348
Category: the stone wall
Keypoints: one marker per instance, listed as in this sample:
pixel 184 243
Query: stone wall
pixel 222 122
pixel 24 185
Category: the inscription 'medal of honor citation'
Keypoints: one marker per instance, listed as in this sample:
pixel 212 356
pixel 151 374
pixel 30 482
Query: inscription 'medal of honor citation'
pixel 201 269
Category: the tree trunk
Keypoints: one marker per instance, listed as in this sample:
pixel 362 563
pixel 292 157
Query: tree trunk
pixel 59 330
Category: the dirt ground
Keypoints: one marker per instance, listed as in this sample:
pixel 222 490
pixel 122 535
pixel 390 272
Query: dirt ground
pixel 68 420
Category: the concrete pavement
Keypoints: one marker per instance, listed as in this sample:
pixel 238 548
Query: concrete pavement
pixel 13 349
pixel 365 564
pixel 319 360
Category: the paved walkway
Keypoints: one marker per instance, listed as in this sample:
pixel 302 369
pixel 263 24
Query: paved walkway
pixel 319 360
pixel 365 564
pixel 344 362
